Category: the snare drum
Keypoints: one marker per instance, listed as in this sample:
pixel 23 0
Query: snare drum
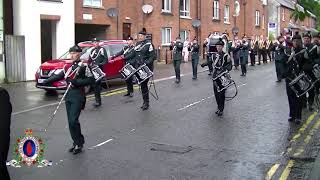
pixel 316 72
pixel 98 74
pixel 301 85
pixel 143 73
pixel 127 71
pixel 223 81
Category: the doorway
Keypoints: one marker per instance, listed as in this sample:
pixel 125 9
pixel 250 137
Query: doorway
pixel 126 30
pixel 46 40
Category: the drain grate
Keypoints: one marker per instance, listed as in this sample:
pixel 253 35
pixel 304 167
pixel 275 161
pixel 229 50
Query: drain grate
pixel 170 148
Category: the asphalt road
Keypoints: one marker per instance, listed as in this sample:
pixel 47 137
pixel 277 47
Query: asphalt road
pixel 179 137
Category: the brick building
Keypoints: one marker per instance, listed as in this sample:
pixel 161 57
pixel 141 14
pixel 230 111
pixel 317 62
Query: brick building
pixel 171 18
pixel 280 12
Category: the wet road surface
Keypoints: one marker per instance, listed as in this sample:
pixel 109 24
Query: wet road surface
pixel 179 137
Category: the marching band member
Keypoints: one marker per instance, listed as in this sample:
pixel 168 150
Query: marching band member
pixel 280 57
pixel 128 53
pixel 194 49
pixel 269 45
pixel 221 64
pixel 244 55
pixel 316 41
pixel 145 54
pixel 262 50
pixel 308 66
pixel 177 47
pixel 206 43
pixel 293 69
pixel 253 50
pixel 77 76
pixel 98 56
pixel 235 47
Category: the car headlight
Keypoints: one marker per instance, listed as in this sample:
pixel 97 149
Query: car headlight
pixel 38 71
pixel 57 71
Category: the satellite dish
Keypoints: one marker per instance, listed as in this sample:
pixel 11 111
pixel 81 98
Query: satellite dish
pixel 147 8
pixel 112 12
pixel 196 23
pixel 235 30
pixel 236 8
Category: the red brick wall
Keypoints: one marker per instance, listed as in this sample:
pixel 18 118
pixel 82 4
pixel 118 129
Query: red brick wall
pixel 157 20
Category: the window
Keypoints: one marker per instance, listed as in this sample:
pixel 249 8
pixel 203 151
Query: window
pixel 226 14
pixel 263 19
pixel 166 36
pixel 93 3
pixel 215 9
pixel 257 18
pixel 166 5
pixel 283 15
pixel 185 8
pixel 184 35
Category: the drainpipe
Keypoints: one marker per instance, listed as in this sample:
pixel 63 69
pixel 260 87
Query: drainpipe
pixel 179 19
pixel 245 17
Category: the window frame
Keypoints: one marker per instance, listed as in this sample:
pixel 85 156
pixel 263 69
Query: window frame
pixel 91 4
pixel 226 19
pixel 165 36
pixel 257 18
pixel 216 10
pixel 185 35
pixel 165 4
pixel 186 9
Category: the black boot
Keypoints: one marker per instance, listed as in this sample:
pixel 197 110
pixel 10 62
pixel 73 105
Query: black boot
pixel 72 148
pixel 77 149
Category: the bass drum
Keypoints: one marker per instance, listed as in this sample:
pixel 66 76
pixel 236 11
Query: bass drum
pixel 223 81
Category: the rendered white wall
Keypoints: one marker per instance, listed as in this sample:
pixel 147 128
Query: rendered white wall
pixel 27 23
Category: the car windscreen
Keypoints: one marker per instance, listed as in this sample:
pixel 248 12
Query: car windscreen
pixel 84 55
pixel 113 49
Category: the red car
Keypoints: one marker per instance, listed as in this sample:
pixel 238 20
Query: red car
pixel 55 66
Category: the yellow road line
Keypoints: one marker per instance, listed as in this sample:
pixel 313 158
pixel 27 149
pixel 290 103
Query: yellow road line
pixel 271 172
pixel 287 170
pixel 304 127
pixel 314 128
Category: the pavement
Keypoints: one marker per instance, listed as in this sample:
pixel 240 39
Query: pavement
pixel 179 137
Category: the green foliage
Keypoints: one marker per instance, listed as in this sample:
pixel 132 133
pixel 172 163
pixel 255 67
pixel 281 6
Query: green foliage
pixel 308 5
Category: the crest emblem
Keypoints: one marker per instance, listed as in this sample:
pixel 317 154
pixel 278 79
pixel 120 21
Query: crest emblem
pixel 29 150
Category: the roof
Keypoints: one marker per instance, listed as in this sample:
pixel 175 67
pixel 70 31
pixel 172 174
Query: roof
pixel 291 5
pixel 285 3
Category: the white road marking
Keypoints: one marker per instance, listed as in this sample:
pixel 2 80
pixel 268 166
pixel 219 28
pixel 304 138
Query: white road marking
pixel 197 102
pixel 56 103
pixel 35 108
pixel 100 144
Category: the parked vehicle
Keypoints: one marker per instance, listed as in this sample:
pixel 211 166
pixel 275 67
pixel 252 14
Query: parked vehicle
pixel 55 66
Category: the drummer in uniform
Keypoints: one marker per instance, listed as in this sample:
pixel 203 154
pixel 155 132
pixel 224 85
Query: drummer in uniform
pixel 220 65
pixel 98 56
pixel 292 69
pixel 176 47
pixel 308 66
pixel 144 54
pixel 194 49
pixel 316 41
pixel 128 53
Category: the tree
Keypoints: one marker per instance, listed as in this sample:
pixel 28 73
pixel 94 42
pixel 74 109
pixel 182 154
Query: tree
pixel 308 5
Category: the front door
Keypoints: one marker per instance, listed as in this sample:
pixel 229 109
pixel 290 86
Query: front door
pixel 126 30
